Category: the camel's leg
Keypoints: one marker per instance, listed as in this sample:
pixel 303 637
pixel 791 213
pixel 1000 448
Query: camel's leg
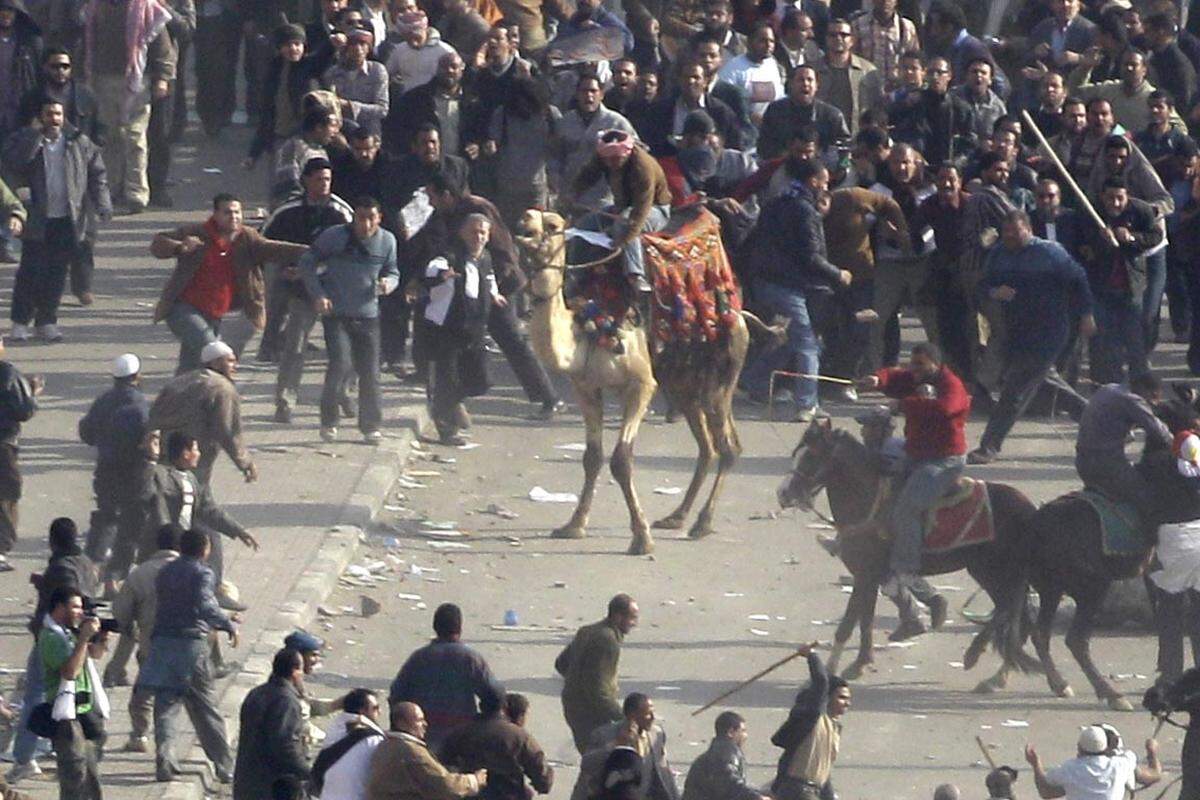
pixel 1087 604
pixel 637 400
pixel 1047 608
pixel 591 403
pixel 704 443
pixel 724 435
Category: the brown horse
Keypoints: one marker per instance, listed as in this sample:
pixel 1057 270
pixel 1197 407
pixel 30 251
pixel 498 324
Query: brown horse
pixel 836 461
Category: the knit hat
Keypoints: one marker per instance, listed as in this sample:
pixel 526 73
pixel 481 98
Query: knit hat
pixel 698 122
pixel 126 365
pixel 214 350
pixel 303 642
pixel 1093 741
pixel 289 32
pixel 315 165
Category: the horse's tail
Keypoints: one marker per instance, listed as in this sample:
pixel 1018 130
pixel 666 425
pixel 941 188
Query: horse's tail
pixel 775 333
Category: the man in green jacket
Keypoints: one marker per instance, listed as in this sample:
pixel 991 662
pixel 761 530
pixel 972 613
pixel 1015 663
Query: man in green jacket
pixel 12 223
pixel 589 669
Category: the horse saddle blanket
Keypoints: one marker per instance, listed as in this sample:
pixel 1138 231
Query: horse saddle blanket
pixel 1179 553
pixel 695 294
pixel 1120 524
pixel 960 518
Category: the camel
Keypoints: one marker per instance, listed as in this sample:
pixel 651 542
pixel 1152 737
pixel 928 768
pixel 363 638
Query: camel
pixel 699 381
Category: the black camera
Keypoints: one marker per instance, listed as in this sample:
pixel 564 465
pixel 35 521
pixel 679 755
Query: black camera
pixel 99 609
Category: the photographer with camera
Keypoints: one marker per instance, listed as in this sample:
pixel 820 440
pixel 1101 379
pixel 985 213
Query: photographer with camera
pixel 75 706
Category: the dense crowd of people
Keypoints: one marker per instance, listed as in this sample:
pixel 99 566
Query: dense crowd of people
pixel 1019 175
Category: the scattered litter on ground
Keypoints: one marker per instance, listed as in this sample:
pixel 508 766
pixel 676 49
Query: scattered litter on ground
pixel 393 507
pixel 439 545
pixel 513 541
pixel 574 447
pixel 764 516
pixel 735 594
pixel 559 584
pixel 358 571
pixel 422 473
pixel 947 587
pixel 326 611
pixel 530 628
pixel 409 596
pixel 956 664
pixel 760 617
pixel 408 483
pixel 908 666
pixel 369 606
pixel 847 589
pixel 668 490
pixel 666 688
pixel 539 495
pixel 819 526
pixel 211 171
pixel 469 445
pixel 901 645
pixel 438 458
pixel 760 632
pixel 1014 723
pixel 498 511
pixel 328 454
pixel 273 449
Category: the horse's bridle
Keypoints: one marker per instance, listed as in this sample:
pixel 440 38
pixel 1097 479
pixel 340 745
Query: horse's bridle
pixel 816 480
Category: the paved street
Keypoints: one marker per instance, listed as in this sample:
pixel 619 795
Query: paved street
pixel 713 612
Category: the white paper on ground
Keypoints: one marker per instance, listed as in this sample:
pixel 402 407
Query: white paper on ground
pixel 539 495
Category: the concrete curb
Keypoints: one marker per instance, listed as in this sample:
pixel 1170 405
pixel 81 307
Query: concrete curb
pixel 298 607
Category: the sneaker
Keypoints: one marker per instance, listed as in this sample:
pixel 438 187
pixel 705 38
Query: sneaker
pixel 283 413
pixel 224 776
pixel 20 772
pixel 329 433
pixel 810 413
pixel 49 333
pixel 85 298
pixel 640 284
pixel 19 333
pixel 5 566
pixel 136 744
pixel 982 455
pixel 939 609
pixel 452 440
pixel 372 437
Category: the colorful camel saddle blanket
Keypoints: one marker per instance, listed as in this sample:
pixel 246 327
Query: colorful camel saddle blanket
pixel 960 519
pixel 696 296
pixel 1120 524
pixel 1179 553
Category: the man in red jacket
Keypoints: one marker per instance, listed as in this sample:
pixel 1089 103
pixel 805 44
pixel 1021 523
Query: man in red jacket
pixel 935 407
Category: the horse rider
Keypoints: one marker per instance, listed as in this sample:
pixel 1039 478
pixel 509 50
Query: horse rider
pixel 1110 416
pixel 935 406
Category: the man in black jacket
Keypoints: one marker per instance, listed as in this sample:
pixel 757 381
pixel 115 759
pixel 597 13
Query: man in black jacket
pixel 178 669
pixel 270 731
pixel 792 276
pixel 809 737
pixel 18 403
pixel 20 74
pixel 720 771
pixel 1115 262
pixel 440 101
pixel 799 109
pixel 664 120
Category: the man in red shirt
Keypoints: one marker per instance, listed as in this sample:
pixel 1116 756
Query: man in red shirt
pixel 219 269
pixel 935 407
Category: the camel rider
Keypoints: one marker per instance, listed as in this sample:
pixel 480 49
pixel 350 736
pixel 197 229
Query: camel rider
pixel 641 198
pixel 1111 414
pixel 935 407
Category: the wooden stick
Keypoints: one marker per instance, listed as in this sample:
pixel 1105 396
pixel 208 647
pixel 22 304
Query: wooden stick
pixel 749 681
pixel 1161 721
pixel 1083 199
pixel 986 753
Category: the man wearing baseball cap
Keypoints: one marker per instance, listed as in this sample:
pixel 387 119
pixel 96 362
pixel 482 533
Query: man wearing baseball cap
pixel 361 85
pixel 309 647
pixel 204 403
pixel 115 425
pixel 1102 770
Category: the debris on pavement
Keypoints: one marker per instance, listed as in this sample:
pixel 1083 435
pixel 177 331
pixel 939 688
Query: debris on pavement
pixel 539 495
pixel 668 490
pixel 498 511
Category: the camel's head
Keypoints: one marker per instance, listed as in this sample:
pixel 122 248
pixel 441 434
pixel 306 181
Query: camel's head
pixel 541 236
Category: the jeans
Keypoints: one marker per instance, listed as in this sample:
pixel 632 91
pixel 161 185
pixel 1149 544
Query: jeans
pixel 1156 285
pixel 352 342
pixel 802 349
pixel 1024 375
pixel 291 346
pixel 1120 339
pixel 927 481
pixel 26 741
pixel 633 258
pixel 198 697
pixel 194 330
pixel 42 274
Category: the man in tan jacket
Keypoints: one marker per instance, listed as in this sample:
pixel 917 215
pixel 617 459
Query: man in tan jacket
pixel 402 768
pixel 218 269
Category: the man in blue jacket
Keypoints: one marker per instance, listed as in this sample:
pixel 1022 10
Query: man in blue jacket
pixel 1042 291
pixel 345 272
pixel 792 276
pixel 811 734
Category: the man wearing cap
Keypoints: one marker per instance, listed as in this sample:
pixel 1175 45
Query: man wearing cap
pixel 1101 771
pixel 290 317
pixel 361 85
pixel 413 61
pixel 291 74
pixel 218 269
pixel 115 425
pixel 309 647
pixel 641 198
pixel 204 403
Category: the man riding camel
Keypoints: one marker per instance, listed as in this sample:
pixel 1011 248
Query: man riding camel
pixel 935 406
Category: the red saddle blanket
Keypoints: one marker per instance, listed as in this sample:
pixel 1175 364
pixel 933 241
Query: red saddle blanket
pixel 696 296
pixel 961 518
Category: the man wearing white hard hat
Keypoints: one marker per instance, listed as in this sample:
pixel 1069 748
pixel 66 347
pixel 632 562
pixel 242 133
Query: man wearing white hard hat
pixel 116 426
pixel 204 403
pixel 1102 770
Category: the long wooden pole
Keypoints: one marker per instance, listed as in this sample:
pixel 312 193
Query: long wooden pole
pixel 750 680
pixel 987 754
pixel 1083 199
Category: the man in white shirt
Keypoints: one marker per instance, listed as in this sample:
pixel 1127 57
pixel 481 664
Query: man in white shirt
pixel 756 73
pixel 344 763
pixel 1103 769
